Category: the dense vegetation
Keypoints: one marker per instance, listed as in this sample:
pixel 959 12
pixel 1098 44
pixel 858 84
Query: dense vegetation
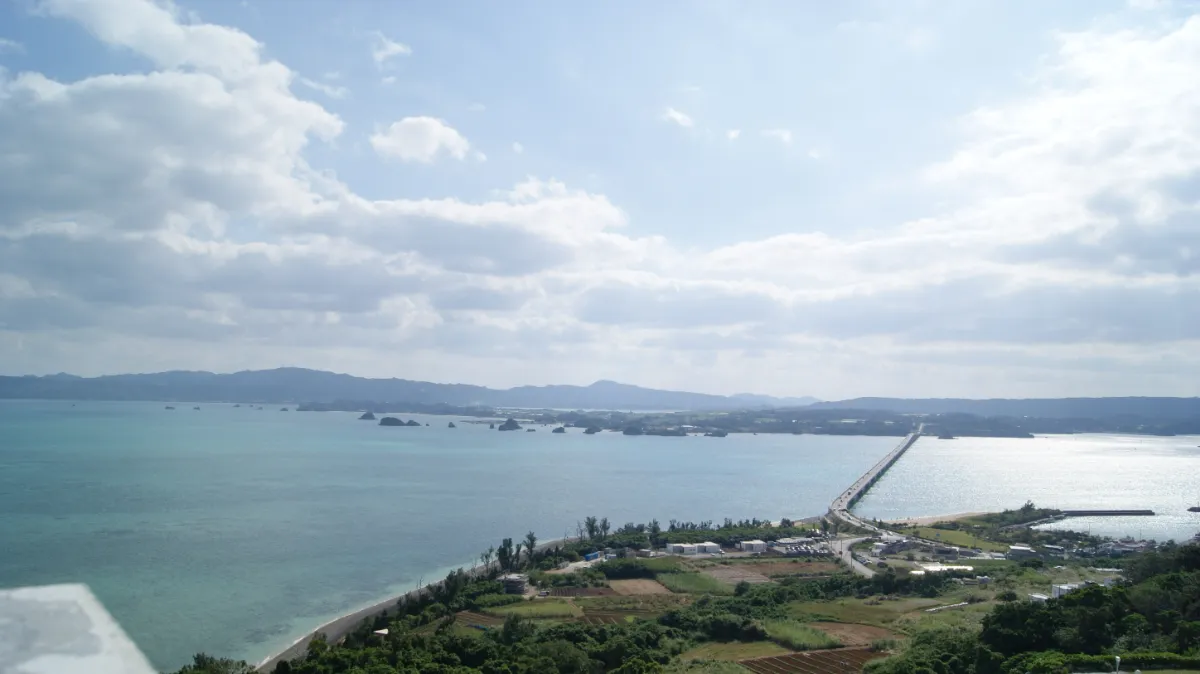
pixel 1153 621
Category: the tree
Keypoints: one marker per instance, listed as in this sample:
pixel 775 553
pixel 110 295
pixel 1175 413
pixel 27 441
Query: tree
pixel 530 545
pixel 207 664
pixel 516 558
pixel 593 530
pixel 504 556
pixel 604 527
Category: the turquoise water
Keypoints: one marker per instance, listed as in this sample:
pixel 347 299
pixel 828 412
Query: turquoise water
pixel 235 531
pixel 1085 472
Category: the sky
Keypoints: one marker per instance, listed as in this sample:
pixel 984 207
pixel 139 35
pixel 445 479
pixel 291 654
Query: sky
pixel 913 198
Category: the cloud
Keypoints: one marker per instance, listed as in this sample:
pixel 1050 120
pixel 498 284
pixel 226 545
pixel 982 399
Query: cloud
pixel 518 148
pixel 383 49
pixel 420 139
pixel 814 153
pixel 676 117
pixel 148 217
pixel 913 38
pixel 782 135
pixel 11 46
pixel 733 134
pixel 327 89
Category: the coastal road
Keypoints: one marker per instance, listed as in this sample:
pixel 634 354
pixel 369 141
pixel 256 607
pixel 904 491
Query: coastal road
pixel 841 548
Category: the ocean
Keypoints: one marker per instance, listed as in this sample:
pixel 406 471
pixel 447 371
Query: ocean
pixel 1069 472
pixel 234 531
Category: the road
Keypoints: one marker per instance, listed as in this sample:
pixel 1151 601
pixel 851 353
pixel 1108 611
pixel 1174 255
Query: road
pixel 841 548
pixel 840 508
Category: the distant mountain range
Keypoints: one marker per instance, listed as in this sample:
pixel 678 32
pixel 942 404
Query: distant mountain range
pixel 315 386
pixel 1045 408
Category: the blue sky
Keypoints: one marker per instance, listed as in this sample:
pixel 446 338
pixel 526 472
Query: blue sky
pixel 835 199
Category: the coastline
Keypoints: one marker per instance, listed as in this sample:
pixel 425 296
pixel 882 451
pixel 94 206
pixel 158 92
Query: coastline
pixel 334 630
pixel 927 520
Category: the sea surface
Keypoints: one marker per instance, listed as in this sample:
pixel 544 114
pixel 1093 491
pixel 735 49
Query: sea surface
pixel 1082 472
pixel 235 531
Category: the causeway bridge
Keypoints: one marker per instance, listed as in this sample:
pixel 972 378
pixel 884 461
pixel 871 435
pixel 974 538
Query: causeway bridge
pixel 840 508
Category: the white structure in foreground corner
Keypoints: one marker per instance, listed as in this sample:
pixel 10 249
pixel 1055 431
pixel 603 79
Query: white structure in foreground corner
pixel 63 628
pixel 752 546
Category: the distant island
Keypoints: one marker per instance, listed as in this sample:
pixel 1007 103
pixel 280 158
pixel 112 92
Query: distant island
pixel 607 405
pixel 316 388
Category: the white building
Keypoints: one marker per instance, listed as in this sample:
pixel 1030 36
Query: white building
pixel 1057 591
pixel 752 546
pixel 682 548
pixel 708 547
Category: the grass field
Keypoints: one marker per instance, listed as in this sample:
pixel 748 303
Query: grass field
pixel 705 667
pixel 883 614
pixel 694 583
pixel 734 650
pixel 961 539
pixel 655 603
pixel 798 636
pixel 540 608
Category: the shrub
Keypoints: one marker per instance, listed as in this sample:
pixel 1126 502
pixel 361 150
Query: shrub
pixel 798 636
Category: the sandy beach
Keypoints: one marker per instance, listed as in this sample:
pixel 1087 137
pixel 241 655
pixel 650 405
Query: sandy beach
pixel 934 519
pixel 339 627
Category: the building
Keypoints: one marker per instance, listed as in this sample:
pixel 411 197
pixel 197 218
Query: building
pixel 682 548
pixel 514 583
pixel 1021 552
pixel 708 547
pixel 1057 591
pixel 1038 597
pixel 752 546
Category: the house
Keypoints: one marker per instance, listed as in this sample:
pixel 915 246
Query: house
pixel 708 547
pixel 1057 591
pixel 514 583
pixel 1021 552
pixel 1038 597
pixel 681 548
pixel 752 546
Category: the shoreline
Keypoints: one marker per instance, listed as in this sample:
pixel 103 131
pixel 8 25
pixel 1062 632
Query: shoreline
pixel 334 630
pixel 927 520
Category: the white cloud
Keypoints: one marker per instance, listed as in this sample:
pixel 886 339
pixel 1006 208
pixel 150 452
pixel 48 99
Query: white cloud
pixel 518 148
pixel 479 156
pixel 154 215
pixel 420 139
pixel 814 153
pixel 477 107
pixel 782 135
pixel 733 134
pixel 913 38
pixel 327 89
pixel 676 117
pixel 12 46
pixel 389 80
pixel 383 49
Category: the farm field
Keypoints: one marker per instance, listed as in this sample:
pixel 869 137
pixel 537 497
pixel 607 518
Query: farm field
pixel 734 651
pixel 853 634
pixel 734 574
pixel 882 613
pixel 776 566
pixel 799 636
pixel 694 583
pixel 582 591
pixel 840 661
pixel 638 586
pixel 539 608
